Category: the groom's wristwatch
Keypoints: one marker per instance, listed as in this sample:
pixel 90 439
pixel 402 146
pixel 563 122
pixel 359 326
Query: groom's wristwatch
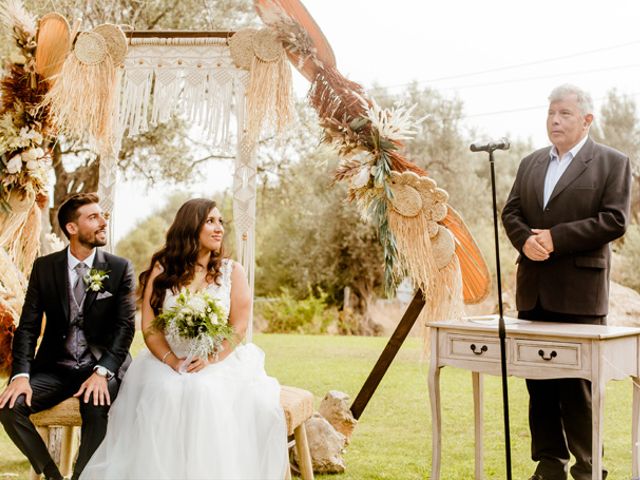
pixel 101 371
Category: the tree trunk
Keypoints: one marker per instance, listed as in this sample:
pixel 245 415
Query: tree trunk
pixel 362 297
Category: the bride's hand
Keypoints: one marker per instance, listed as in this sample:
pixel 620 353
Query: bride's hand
pixel 197 364
pixel 175 362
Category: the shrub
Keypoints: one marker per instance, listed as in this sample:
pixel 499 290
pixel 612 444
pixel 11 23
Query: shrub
pixel 286 314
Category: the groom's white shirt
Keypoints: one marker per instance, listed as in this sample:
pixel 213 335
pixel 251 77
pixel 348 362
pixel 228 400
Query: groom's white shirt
pixel 73 261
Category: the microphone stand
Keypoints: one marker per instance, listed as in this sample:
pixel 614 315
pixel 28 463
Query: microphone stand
pixel 502 333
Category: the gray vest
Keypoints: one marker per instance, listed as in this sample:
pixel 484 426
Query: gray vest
pixel 77 353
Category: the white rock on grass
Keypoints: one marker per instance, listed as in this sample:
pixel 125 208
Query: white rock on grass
pixel 335 408
pixel 326 446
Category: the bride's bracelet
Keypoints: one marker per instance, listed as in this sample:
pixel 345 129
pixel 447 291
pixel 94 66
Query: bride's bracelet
pixel 164 357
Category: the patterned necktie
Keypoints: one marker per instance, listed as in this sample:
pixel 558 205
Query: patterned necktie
pixel 79 288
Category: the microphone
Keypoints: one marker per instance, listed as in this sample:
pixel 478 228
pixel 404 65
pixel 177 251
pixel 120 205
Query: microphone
pixel 502 144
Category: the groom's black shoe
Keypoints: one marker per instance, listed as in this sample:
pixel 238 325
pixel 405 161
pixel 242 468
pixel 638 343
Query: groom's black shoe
pixel 536 477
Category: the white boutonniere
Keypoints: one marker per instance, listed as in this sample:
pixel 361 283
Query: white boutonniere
pixel 94 279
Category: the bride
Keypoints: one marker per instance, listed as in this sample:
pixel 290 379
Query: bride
pixel 222 418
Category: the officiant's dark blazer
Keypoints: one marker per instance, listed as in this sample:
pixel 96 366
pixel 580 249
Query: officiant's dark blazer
pixel 588 208
pixel 108 315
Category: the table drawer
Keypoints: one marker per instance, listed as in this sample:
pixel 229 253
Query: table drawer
pixel 541 353
pixel 472 347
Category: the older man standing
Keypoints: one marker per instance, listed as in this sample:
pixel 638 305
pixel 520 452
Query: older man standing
pixel 567 203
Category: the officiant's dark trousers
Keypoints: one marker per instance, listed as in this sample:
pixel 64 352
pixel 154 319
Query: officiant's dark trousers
pixel 49 389
pixel 560 413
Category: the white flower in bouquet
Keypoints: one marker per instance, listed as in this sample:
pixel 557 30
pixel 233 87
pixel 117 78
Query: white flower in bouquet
pixel 197 322
pixel 14 165
pixel 197 304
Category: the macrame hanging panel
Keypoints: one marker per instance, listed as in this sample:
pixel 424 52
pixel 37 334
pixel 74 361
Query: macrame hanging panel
pixel 196 79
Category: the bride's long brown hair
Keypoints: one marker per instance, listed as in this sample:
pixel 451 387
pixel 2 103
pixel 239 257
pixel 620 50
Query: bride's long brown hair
pixel 179 254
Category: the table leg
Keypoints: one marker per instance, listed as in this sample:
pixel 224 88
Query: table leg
pixel 436 421
pixel 478 408
pixel 597 417
pixel 635 428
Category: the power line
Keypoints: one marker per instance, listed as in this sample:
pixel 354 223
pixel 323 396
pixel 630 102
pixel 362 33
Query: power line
pixel 542 77
pixel 527 79
pixel 513 66
pixel 536 107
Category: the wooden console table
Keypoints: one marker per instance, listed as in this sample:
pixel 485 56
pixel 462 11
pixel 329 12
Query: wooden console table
pixel 536 350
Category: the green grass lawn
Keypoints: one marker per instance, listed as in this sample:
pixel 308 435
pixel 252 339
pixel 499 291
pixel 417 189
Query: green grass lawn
pixel 393 438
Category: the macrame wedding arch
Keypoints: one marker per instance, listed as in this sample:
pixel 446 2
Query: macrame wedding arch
pixel 194 75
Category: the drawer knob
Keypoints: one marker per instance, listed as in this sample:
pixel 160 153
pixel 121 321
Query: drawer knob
pixel 551 356
pixel 478 351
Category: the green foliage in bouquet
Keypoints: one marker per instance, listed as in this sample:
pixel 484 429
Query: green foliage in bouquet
pixel 196 315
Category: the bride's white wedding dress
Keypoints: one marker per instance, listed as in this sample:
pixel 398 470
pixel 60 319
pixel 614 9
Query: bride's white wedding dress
pixel 224 422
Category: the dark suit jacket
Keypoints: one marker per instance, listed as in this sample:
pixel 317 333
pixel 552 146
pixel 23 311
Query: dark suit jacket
pixel 108 321
pixel 588 208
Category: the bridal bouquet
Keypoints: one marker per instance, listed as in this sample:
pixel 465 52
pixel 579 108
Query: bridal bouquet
pixel 197 324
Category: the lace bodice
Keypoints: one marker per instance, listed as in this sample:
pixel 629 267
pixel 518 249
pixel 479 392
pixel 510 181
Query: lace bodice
pixel 221 292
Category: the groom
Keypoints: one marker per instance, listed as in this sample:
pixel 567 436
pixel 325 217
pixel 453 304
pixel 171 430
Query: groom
pixel 87 297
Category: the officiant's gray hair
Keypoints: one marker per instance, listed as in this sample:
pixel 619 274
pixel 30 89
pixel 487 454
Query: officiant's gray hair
pixel 585 103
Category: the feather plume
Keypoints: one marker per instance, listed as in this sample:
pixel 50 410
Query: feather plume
pixel 14 16
pixel 7 330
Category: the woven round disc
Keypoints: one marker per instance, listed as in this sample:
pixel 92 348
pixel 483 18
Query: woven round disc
pixel 438 212
pixel 266 45
pixel 90 48
pixel 116 41
pixel 441 195
pixel 241 49
pixel 406 200
pixel 432 228
pixel 443 247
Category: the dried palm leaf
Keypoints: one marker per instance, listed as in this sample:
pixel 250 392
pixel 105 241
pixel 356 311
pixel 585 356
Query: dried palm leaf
pixel 54 42
pixel 308 40
pixel 476 279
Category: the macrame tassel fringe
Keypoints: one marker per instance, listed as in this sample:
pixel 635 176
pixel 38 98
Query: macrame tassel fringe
pixel 442 288
pixel 269 96
pixel 82 100
pixel 136 98
pixel 414 247
pixel 446 304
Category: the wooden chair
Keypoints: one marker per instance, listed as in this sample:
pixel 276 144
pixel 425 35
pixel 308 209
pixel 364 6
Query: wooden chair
pixel 296 403
pixel 67 416
pixel 298 408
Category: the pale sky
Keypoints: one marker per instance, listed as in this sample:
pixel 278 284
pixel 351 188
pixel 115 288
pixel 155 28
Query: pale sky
pixel 500 57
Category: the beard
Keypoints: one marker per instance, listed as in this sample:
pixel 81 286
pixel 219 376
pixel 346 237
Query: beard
pixel 91 240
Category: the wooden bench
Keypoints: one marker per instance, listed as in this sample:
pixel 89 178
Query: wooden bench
pixel 296 403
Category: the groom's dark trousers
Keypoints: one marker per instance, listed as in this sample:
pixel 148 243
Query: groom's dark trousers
pixel 102 329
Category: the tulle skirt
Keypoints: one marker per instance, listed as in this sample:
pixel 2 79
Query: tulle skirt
pixel 224 422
